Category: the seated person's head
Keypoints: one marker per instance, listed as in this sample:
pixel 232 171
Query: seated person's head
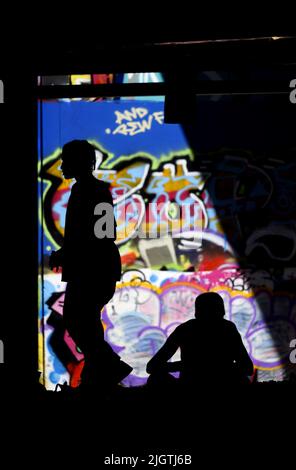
pixel 209 306
pixel 78 159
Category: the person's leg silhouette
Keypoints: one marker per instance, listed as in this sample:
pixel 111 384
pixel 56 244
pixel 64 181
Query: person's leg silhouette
pixel 83 303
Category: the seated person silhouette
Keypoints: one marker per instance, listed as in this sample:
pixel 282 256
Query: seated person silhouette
pixel 212 351
pixel 91 266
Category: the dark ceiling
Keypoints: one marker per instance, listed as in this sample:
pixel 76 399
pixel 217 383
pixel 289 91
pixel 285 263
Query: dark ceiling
pixel 52 50
pixel 165 53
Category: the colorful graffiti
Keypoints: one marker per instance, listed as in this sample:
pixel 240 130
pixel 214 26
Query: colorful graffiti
pixel 147 307
pixel 146 203
pixel 152 173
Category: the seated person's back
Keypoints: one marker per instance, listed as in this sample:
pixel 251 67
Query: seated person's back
pixel 211 347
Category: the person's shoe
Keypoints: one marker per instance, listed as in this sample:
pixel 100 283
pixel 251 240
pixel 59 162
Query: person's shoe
pixel 65 389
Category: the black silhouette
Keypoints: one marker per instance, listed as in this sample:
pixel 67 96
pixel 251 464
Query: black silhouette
pixel 90 266
pixel 212 351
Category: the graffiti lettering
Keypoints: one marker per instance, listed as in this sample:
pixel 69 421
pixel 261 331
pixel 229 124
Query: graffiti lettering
pixel 130 115
pixel 135 124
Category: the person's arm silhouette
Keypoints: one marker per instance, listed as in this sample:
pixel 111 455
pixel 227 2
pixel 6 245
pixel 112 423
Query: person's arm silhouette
pixel 159 361
pixel 243 364
pixel 56 259
pixel 73 229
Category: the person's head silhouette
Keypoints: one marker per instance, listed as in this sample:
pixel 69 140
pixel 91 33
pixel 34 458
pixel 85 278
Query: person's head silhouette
pixel 209 306
pixel 78 159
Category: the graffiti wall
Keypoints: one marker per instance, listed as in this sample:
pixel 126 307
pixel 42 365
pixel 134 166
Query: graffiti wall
pixel 169 256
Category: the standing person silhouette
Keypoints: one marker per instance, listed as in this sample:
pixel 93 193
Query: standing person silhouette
pixel 90 266
pixel 212 351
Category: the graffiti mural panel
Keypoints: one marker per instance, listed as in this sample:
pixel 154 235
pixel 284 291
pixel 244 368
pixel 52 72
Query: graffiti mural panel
pixel 178 231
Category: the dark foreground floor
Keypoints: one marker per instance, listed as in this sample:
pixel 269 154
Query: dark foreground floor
pixel 224 425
